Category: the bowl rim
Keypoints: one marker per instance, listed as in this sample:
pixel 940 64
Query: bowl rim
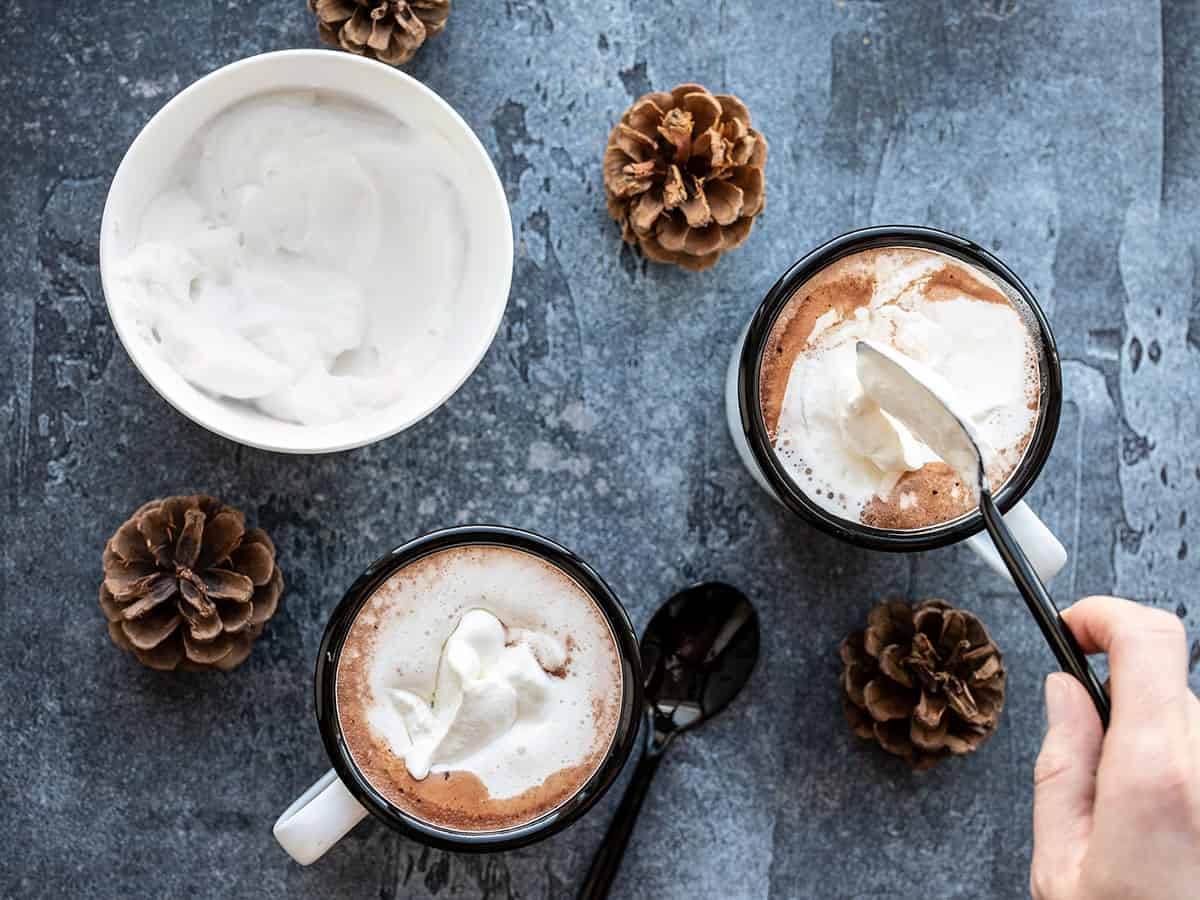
pixel 135 348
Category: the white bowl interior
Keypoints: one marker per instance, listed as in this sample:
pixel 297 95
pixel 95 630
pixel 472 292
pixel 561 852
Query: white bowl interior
pixel 479 304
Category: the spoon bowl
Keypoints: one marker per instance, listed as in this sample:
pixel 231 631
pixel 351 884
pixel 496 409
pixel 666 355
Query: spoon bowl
pixel 697 653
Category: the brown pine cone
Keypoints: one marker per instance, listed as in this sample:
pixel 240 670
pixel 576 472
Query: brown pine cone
pixel 391 31
pixel 186 585
pixel 683 173
pixel 924 682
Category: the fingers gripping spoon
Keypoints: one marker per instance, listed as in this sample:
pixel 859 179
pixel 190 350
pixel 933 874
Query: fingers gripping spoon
pixel 923 401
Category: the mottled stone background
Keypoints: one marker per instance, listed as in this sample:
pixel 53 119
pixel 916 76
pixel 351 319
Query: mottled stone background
pixel 1062 135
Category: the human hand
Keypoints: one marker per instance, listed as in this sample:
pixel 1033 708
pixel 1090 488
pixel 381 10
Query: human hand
pixel 1116 816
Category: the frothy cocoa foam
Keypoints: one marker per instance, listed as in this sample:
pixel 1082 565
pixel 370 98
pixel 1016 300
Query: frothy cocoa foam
pixel 465 726
pixel 845 453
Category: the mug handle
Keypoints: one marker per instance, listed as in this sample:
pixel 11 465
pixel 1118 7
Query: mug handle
pixel 1046 553
pixel 318 819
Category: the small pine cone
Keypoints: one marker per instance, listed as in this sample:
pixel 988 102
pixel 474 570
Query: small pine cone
pixel 923 682
pixel 187 586
pixel 683 174
pixel 391 31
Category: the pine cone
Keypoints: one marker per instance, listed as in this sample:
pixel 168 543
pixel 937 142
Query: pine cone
pixel 391 31
pixel 186 585
pixel 683 173
pixel 923 681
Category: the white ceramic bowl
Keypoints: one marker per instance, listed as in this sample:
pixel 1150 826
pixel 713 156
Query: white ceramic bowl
pixel 483 294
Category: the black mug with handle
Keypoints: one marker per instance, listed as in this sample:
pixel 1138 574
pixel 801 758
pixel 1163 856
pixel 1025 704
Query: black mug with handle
pixel 344 796
pixel 747 427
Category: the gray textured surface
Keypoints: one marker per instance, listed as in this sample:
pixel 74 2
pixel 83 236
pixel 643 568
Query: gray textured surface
pixel 1061 135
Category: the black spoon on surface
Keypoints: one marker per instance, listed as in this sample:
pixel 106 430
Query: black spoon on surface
pixel 915 396
pixel 697 653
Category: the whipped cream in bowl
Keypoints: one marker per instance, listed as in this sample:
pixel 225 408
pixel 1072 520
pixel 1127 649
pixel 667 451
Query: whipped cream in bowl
pixel 306 251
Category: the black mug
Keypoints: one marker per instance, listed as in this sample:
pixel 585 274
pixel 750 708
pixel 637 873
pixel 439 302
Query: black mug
pixel 749 432
pixel 324 813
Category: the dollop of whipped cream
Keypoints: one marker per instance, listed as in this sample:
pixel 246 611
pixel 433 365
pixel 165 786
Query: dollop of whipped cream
pixel 873 434
pixel 489 680
pixel 841 446
pixel 303 258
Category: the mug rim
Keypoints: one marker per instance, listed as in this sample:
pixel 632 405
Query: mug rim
pixel 628 722
pixel 750 408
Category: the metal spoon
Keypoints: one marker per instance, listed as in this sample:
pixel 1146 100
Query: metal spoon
pixel 697 653
pixel 923 401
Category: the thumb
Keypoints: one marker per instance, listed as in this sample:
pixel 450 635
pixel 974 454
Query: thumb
pixel 1064 782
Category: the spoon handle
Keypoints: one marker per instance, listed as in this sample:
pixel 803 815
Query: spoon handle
pixel 1070 657
pixel 607 861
